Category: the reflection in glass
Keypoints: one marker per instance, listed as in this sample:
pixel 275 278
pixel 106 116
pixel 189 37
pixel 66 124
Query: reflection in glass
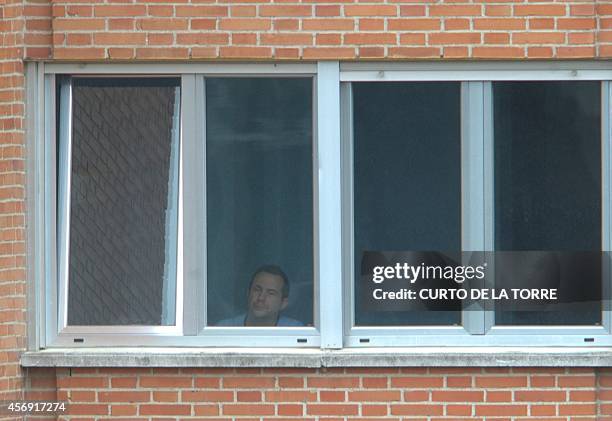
pixel 123 201
pixel 548 197
pixel 259 201
pixel 407 181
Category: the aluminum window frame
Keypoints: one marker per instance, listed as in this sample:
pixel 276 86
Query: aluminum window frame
pixel 332 216
pixel 188 330
pixel 477 198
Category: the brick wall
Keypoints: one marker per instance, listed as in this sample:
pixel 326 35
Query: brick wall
pixel 280 30
pixel 334 394
pixel 318 29
pixel 12 193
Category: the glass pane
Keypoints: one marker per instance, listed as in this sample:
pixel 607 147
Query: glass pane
pixel 548 198
pixel 407 183
pixel 123 201
pixel 259 201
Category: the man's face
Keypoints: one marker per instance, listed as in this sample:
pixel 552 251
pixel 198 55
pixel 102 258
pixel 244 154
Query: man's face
pixel 266 297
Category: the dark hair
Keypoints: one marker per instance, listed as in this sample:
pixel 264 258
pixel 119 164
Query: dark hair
pixel 272 270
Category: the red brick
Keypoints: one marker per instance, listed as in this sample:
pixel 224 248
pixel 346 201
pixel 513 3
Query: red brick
pixel 199 11
pixel 332 409
pixel 417 409
pixel 333 382
pixel 285 10
pixel 370 10
pixel 292 410
pixel 248 409
pixel 332 396
pixel 161 24
pixel 373 410
pixel 543 410
pixel 124 410
pixel 160 409
pixel 121 397
pixel 328 24
pixel 499 24
pixel 328 39
pixel 498 52
pixel 115 38
pixel 290 396
pixel 539 396
pixel 455 52
pixel 119 10
pixel 202 39
pixel 412 10
pixel 454 10
pixel 243 11
pixel 539 10
pixel 165 382
pixel 459 410
pixel 501 382
pixel 454 38
pixel 121 53
pixel 327 10
pixel 578 409
pixel 248 382
pixel 457 396
pixel 576 52
pixel 576 381
pixel 244 24
pixel 199 24
pixel 370 39
pixel 286 39
pixel 577 23
pixel 371 25
pixel 204 410
pixel 414 24
pixel 375 396
pixel 206 396
pixel 539 52
pixel 82 382
pixel 501 410
pixel 78 24
pixel 291 382
pixel 374 382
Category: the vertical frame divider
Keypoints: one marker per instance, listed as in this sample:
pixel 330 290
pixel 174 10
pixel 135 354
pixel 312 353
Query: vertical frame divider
pixel 35 205
pixel 489 196
pixel 330 203
pixel 193 207
pixel 606 211
pixel 346 108
pixel 63 208
pixel 50 206
pixel 472 188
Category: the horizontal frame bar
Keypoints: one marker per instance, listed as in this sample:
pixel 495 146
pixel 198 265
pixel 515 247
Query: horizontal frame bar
pixel 180 68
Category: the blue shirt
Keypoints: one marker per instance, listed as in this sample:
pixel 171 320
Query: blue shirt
pixel 239 321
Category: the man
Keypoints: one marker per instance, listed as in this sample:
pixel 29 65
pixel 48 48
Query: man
pixel 268 296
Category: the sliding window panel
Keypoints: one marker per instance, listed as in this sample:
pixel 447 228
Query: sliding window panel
pixel 548 200
pixel 259 189
pixel 406 189
pixel 122 140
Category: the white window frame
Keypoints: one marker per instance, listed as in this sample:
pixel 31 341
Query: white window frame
pixel 477 198
pixel 332 168
pixel 189 329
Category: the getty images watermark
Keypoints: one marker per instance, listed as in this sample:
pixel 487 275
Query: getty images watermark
pixel 458 274
pixel 525 280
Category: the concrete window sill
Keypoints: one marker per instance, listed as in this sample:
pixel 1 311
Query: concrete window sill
pixel 316 358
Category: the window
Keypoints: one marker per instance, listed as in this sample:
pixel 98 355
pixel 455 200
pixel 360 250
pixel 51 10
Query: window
pixel 120 149
pixel 245 205
pixel 443 167
pixel 259 193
